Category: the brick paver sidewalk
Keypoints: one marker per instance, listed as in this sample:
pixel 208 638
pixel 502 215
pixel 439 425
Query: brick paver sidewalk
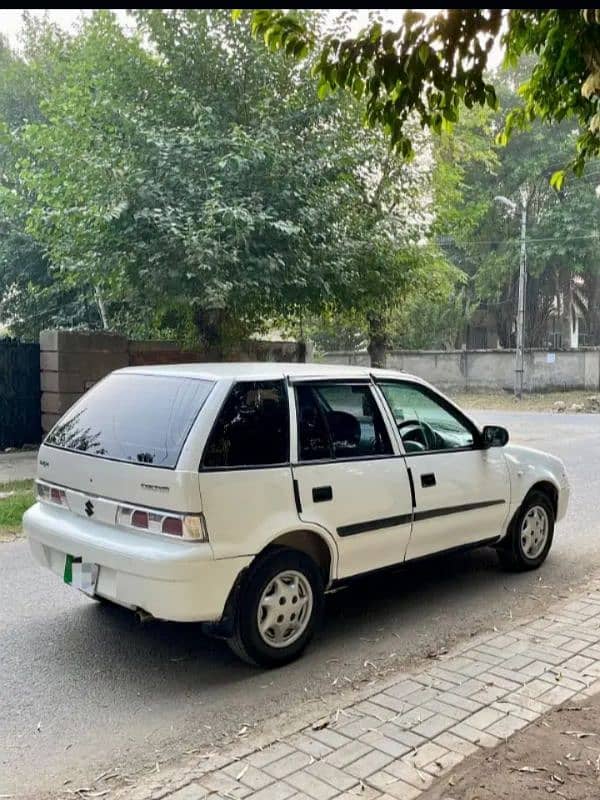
pixel 412 729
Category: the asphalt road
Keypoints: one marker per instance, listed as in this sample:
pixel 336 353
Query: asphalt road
pixel 84 688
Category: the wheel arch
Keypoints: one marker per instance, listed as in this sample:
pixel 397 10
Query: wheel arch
pixel 547 488
pixel 315 544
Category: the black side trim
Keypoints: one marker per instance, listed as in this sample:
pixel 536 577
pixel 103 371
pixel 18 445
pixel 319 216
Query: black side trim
pixel 461 548
pixel 404 519
pixel 442 512
pixel 297 496
pixel 374 525
pixel 412 487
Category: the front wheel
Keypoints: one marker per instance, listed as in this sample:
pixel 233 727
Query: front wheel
pixel 279 606
pixel 530 536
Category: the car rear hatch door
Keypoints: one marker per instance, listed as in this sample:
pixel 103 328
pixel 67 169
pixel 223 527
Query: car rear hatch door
pixel 121 442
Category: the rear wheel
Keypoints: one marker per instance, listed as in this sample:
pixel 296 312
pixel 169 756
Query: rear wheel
pixel 278 608
pixel 530 537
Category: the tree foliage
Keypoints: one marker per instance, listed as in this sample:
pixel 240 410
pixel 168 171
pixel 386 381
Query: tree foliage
pixel 196 184
pixel 432 66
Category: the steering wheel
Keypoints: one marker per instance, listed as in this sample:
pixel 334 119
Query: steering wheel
pixel 423 428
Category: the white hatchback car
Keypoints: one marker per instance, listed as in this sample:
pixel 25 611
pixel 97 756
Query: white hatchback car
pixel 237 494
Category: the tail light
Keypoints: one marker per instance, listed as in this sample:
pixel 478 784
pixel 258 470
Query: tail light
pixel 51 494
pixel 190 527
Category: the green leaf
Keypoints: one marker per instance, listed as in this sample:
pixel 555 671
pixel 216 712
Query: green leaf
pixel 324 90
pixel 557 180
pixel 424 53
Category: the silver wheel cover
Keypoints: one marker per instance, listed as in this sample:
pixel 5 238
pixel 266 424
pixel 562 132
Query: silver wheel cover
pixel 534 532
pixel 285 609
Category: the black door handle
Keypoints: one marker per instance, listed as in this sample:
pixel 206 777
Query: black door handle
pixel 322 493
pixel 428 480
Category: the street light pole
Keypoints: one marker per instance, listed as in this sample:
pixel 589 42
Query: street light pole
pixel 520 350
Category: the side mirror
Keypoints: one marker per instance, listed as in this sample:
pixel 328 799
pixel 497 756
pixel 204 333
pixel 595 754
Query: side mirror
pixel 494 436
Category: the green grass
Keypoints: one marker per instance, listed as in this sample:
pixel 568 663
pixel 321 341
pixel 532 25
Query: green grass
pixel 13 507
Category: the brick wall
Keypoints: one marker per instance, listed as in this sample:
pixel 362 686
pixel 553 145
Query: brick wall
pixel 72 361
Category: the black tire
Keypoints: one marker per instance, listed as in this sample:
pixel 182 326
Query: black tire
pixel 247 641
pixel 510 551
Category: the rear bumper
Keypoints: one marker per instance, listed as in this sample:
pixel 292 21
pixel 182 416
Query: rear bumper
pixel 172 580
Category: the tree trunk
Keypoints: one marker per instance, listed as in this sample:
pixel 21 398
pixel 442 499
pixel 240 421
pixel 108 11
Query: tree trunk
pixel 592 289
pixel 102 309
pixel 211 327
pixel 378 341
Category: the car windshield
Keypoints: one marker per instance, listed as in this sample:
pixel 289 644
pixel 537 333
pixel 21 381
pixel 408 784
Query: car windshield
pixel 130 417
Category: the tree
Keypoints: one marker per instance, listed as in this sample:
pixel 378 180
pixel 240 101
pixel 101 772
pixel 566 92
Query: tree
pixel 561 231
pixel 151 178
pixel 432 66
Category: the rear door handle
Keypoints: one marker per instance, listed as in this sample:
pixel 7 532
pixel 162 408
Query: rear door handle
pixel 321 494
pixel 428 480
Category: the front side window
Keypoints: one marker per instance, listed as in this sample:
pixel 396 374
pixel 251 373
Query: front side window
pixel 252 429
pixel 423 423
pixel 339 421
pixel 133 417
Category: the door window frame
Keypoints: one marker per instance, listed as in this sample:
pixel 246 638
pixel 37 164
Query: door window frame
pixel 380 404
pixel 444 403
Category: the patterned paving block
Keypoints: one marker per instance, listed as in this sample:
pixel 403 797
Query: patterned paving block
pixel 379 741
pixel 425 754
pixel 276 751
pixel 481 738
pixel 337 778
pixel 453 742
pixel 484 718
pixel 348 753
pixel 368 764
pixel 311 785
pixel 250 776
pixel 507 726
pixel 300 741
pixel 434 725
pixel 291 763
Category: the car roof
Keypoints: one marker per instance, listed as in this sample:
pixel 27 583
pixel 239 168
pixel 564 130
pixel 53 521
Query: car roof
pixel 267 370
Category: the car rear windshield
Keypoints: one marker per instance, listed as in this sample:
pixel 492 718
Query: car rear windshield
pixel 128 417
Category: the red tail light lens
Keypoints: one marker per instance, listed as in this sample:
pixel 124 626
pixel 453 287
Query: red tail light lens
pixel 52 494
pixel 189 527
pixel 139 519
pixel 172 526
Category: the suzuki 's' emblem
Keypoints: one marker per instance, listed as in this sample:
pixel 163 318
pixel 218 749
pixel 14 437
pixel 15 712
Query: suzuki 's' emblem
pixel 89 508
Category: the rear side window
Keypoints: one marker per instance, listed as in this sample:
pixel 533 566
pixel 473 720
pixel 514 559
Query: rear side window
pixel 138 418
pixel 253 428
pixel 339 421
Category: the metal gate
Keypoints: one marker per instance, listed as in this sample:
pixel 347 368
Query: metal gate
pixel 20 409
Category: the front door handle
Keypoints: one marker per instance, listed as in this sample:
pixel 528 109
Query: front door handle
pixel 428 480
pixel 321 494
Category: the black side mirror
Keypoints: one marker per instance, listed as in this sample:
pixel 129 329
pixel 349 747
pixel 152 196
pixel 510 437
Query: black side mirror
pixel 494 436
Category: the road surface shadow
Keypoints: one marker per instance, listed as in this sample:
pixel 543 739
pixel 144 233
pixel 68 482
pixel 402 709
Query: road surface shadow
pixel 110 638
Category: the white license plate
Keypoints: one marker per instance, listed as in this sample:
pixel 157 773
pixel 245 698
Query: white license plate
pixel 81 575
